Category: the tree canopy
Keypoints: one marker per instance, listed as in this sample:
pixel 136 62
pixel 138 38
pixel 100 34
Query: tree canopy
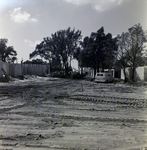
pixel 98 50
pixel 59 47
pixel 131 48
pixel 35 61
pixel 8 54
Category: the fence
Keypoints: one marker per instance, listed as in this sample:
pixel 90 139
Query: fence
pixel 36 69
pixel 140 73
pixel 15 70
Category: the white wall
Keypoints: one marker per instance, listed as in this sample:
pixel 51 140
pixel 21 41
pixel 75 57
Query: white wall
pixel 145 73
pixel 0 68
pixel 15 70
pixel 6 67
pixel 140 73
pixel 36 69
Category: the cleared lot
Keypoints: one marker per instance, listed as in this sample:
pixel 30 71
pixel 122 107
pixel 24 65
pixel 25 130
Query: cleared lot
pixel 49 114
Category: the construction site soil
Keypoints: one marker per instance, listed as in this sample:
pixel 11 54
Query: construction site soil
pixel 44 113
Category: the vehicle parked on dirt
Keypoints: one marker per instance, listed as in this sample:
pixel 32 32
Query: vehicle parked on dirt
pixel 104 77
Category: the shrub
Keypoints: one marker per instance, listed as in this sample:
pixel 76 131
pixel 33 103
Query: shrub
pixel 59 74
pixel 77 75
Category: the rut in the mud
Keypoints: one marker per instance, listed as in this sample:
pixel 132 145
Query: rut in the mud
pixel 48 116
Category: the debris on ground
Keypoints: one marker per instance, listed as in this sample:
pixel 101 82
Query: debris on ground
pixel 53 113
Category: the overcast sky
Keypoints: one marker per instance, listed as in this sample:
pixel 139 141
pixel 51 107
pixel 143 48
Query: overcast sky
pixel 26 22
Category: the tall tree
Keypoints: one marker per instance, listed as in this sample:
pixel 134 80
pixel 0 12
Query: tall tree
pixel 108 51
pixel 132 48
pixel 87 56
pixel 60 46
pixel 3 46
pixel 98 50
pixel 135 47
pixel 8 54
pixel 35 61
pixel 122 57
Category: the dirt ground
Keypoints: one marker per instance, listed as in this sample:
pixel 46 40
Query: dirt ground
pixel 50 114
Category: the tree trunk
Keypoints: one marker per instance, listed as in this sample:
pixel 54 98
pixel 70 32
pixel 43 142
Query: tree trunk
pixel 81 70
pixel 133 74
pixel 94 72
pixel 66 70
pixel 97 68
pixel 124 71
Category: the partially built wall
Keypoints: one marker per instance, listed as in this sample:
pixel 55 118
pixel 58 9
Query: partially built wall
pixel 15 70
pixel 140 73
pixel 4 66
pixel 36 69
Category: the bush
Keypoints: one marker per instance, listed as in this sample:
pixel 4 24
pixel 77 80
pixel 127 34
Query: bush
pixel 77 75
pixel 21 77
pixel 5 79
pixel 59 74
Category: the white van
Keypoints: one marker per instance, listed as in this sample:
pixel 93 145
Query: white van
pixel 104 77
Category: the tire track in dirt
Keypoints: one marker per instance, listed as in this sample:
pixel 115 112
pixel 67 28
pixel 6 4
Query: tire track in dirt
pixel 59 116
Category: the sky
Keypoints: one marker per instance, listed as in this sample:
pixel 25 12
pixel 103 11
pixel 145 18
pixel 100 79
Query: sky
pixel 26 22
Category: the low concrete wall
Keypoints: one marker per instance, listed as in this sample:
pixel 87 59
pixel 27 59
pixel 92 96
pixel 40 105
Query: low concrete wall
pixel 5 66
pixel 1 66
pixel 127 74
pixel 15 70
pixel 36 69
pixel 140 73
pixel 145 73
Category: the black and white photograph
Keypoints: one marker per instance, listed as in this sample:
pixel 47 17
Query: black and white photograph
pixel 73 74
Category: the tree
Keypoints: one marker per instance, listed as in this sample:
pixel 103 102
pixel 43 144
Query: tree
pixel 131 48
pixel 98 50
pixel 35 61
pixel 87 56
pixel 8 54
pixel 135 47
pixel 60 46
pixel 122 57
pixel 3 46
pixel 42 50
pixel 144 61
pixel 109 52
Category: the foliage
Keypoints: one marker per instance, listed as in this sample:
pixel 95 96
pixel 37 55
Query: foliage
pixel 35 61
pixel 59 48
pixel 77 75
pixel 122 57
pixel 144 61
pixel 131 48
pixel 98 50
pixel 8 54
pixel 59 74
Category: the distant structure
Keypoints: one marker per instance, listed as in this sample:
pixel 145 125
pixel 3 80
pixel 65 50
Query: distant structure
pixel 16 70
pixel 140 73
